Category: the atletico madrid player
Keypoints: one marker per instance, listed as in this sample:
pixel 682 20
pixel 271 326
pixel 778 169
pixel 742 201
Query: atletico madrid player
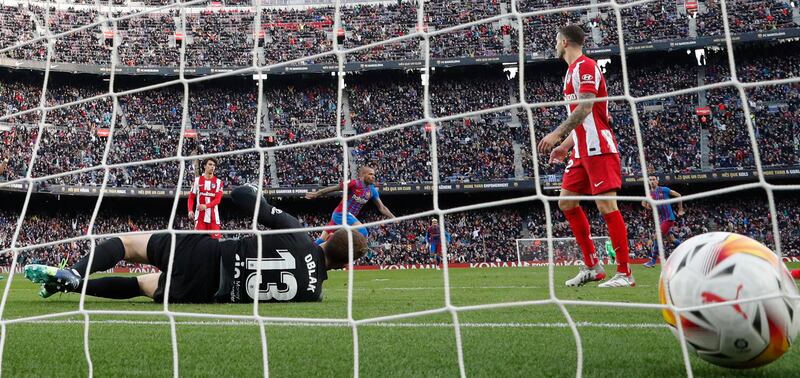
pixel 205 196
pixel 594 166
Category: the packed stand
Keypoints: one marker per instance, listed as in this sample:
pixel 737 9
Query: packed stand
pixel 747 16
pixel 371 23
pixel 540 31
pixel 224 116
pixel 397 156
pixel 220 39
pixel 377 101
pixel 302 113
pixel 484 39
pixel 148 40
pixel 293 34
pixel 649 22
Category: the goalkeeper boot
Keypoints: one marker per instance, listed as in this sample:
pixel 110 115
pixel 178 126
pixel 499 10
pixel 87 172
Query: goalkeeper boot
pixel 651 263
pixel 53 279
pixel 47 290
pixel 595 273
pixel 619 280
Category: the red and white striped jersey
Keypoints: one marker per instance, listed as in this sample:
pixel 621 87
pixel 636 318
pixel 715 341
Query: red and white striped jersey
pixel 207 192
pixel 594 135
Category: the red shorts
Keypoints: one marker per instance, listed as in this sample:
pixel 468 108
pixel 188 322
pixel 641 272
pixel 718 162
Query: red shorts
pixel 203 226
pixel 666 226
pixel 593 175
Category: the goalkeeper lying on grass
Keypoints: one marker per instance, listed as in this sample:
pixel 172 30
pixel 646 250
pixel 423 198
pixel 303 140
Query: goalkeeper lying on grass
pixel 204 270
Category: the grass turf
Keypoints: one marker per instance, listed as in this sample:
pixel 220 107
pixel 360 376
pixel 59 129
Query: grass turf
pixel 512 341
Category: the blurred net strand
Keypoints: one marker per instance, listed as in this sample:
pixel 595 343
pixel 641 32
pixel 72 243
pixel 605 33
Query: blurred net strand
pixel 14 238
pixel 90 229
pixel 340 53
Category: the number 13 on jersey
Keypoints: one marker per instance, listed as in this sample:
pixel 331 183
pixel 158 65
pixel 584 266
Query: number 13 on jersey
pixel 284 264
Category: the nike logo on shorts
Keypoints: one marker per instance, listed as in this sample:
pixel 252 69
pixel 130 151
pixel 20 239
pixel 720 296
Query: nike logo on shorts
pixel 599 183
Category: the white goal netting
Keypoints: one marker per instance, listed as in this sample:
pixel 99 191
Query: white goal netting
pixel 547 248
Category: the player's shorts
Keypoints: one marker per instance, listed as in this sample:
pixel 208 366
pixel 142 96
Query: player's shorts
pixel 336 219
pixel 195 269
pixel 666 226
pixel 436 248
pixel 203 226
pixel 593 175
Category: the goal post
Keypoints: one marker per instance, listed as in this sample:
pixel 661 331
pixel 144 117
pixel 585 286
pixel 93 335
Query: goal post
pixel 565 250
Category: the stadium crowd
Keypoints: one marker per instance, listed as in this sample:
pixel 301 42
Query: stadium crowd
pixel 487 235
pixel 215 37
pixel 471 148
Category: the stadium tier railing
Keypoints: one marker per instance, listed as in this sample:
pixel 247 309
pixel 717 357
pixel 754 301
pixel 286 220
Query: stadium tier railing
pixel 391 188
pixel 531 57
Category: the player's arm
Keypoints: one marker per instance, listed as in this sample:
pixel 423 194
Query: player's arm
pixel 245 198
pixel 383 209
pixel 192 199
pixel 324 191
pixel 567 144
pixel 562 151
pixel 674 194
pixel 578 115
pixel 575 118
pixel 217 197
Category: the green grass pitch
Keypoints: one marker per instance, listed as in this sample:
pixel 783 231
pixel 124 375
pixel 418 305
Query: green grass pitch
pixel 525 341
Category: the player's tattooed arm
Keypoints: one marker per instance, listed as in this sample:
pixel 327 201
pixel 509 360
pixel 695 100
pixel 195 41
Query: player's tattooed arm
pixel 675 194
pixel 578 115
pixel 575 118
pixel 322 192
pixel 383 209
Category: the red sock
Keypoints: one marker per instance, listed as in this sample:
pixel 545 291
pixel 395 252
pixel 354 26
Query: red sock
pixel 581 229
pixel 618 232
pixel 796 274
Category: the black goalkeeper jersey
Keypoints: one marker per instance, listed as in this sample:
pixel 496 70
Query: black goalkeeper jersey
pixel 291 266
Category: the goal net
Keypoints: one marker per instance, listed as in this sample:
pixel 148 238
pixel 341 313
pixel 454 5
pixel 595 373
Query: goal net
pixel 51 39
pixel 565 251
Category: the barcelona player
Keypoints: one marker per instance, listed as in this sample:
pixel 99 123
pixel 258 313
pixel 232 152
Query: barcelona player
pixel 359 193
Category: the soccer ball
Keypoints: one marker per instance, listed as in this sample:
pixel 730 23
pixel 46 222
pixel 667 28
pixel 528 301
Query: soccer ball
pixel 718 267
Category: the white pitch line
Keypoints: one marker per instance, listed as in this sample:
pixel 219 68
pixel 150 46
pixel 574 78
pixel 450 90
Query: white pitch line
pixel 239 323
pixel 442 287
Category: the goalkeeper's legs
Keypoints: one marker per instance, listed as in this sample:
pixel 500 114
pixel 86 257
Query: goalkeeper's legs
pixel 132 248
pixel 106 255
